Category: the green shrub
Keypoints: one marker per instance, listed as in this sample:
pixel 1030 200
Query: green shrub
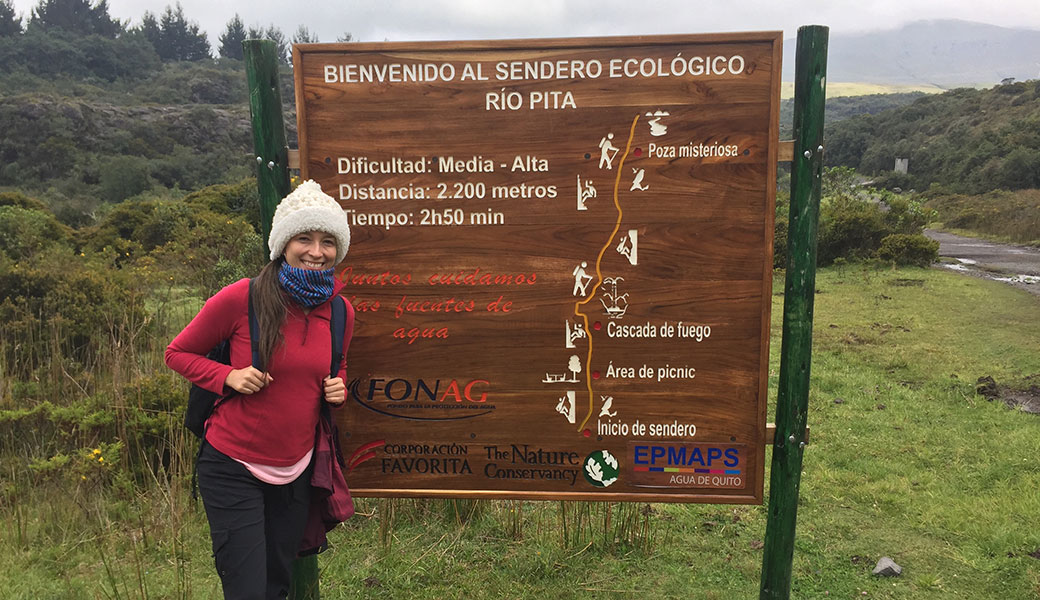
pixel 850 228
pixel 122 177
pixel 163 223
pixel 21 201
pixel 854 219
pixel 909 249
pixel 212 251
pixel 1020 169
pixel 25 232
pixel 191 169
pixel 780 223
pixel 51 158
pixel 239 199
pixel 905 214
pixel 1011 215
pixel 197 240
pixel 780 243
pixel 118 226
pixel 149 138
pixel 67 309
pixel 91 432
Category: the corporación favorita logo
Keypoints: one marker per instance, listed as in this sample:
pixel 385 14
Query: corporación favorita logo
pixel 601 468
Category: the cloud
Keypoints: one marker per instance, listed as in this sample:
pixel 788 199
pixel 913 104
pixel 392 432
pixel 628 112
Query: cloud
pixel 410 20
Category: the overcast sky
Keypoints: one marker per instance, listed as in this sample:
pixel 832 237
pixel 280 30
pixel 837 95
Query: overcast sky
pixel 401 20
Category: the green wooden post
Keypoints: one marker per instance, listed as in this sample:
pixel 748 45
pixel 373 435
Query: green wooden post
pixel 265 110
pixel 792 402
pixel 272 179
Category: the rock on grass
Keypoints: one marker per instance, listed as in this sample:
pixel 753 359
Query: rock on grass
pixel 886 567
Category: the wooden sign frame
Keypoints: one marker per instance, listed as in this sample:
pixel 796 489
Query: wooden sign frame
pixel 533 376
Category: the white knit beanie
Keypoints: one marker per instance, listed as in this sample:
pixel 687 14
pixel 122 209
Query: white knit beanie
pixel 308 208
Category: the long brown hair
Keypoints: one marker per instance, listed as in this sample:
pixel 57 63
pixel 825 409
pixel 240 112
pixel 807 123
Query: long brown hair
pixel 269 306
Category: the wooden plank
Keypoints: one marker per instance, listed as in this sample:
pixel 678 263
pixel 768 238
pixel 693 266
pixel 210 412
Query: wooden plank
pixel 560 262
pixel 771 433
pixel 786 151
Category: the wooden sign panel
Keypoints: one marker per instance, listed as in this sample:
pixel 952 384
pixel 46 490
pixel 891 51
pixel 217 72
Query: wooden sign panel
pixel 561 261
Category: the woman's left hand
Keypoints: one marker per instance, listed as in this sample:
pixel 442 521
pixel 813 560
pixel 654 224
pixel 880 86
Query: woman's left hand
pixel 335 390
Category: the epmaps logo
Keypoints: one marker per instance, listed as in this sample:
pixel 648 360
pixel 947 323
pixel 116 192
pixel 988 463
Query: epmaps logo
pixel 687 465
pixel 424 399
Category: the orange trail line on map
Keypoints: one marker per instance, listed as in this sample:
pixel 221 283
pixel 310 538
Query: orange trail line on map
pixel 599 275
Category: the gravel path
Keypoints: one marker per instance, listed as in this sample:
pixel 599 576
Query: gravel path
pixel 1016 265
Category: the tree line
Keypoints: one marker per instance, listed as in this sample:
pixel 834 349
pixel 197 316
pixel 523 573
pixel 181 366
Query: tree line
pixel 90 40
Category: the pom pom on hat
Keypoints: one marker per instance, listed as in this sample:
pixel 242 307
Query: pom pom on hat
pixel 308 208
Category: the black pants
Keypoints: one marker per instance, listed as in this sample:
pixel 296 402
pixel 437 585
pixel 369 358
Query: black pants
pixel 256 527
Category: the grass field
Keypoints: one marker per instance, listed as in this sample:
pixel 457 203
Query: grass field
pixel 905 461
pixel 836 89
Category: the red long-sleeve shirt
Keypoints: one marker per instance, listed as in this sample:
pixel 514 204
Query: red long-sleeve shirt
pixel 276 425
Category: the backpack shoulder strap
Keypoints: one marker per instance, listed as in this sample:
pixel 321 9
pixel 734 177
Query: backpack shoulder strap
pixel 254 342
pixel 337 326
pixel 254 330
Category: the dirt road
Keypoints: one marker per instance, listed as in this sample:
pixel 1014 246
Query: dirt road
pixel 1016 265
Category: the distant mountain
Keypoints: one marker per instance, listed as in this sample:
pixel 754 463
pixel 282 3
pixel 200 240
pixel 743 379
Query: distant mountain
pixel 944 53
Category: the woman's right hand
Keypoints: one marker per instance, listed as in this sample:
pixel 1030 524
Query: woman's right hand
pixel 248 380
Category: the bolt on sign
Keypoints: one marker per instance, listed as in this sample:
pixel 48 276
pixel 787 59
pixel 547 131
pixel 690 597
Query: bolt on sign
pixel 561 261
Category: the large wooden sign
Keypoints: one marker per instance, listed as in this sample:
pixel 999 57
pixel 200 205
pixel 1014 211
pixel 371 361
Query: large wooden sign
pixel 561 261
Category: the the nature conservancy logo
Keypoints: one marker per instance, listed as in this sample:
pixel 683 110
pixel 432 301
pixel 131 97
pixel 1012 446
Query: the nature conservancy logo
pixel 601 468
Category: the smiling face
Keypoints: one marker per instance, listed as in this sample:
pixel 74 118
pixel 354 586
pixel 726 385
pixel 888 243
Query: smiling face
pixel 313 250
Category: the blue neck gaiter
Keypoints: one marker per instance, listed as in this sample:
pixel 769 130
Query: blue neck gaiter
pixel 305 286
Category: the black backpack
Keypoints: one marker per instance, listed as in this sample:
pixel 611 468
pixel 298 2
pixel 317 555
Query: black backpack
pixel 201 402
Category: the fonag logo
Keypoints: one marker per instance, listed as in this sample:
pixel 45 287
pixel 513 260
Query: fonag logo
pixel 601 468
pixel 423 399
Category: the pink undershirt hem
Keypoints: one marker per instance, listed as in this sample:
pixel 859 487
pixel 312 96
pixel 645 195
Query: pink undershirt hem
pixel 278 475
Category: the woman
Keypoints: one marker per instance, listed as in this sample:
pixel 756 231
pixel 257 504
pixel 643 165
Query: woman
pixel 254 466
